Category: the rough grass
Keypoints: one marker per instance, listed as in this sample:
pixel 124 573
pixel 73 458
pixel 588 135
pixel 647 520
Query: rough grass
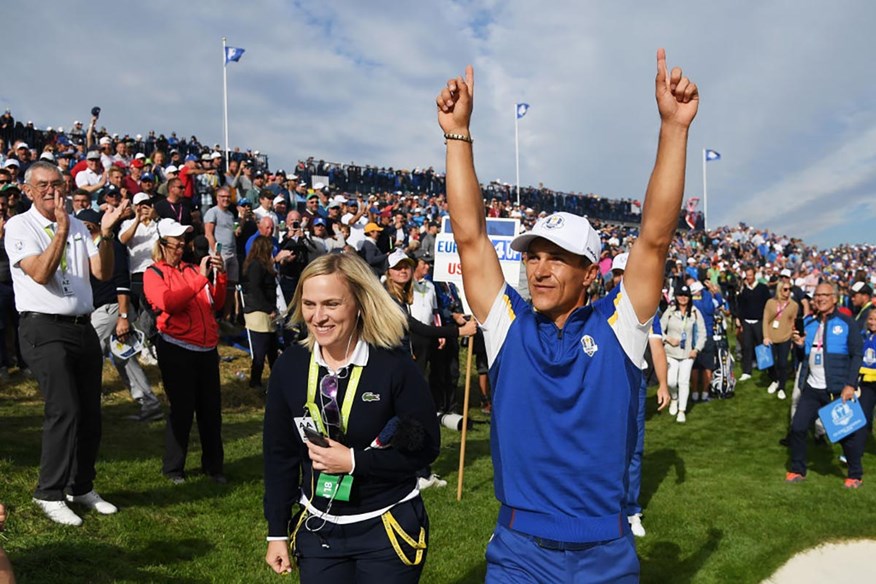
pixel 717 509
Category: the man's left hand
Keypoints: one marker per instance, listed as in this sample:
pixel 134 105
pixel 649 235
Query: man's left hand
pixel 677 96
pixel 112 216
pixel 848 393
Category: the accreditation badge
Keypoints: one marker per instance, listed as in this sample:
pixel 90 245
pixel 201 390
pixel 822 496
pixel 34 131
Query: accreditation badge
pixel 334 487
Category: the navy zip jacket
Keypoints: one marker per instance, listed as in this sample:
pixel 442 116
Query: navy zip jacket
pixel 843 350
pixel 390 386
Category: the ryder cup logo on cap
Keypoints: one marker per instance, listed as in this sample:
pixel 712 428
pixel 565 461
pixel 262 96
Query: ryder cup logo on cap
pixel 571 232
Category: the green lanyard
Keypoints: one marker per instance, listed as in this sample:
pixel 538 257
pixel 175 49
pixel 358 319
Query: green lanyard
pixel 349 396
pixel 51 233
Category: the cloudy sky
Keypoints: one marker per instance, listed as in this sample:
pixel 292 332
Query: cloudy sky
pixel 787 89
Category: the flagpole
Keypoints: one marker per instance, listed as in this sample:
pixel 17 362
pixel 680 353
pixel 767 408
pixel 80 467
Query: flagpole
pixel 705 195
pixel 517 152
pixel 225 96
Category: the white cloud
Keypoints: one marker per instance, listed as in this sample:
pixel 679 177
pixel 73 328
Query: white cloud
pixel 787 94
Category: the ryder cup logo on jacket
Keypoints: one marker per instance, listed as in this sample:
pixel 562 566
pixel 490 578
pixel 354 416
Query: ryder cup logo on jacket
pixel 837 330
pixel 869 356
pixel 841 414
pixel 589 345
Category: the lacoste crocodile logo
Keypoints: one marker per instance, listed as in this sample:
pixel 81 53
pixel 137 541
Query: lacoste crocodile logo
pixel 370 397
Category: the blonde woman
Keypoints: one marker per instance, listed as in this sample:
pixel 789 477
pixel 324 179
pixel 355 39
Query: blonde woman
pixel 779 314
pixel 684 336
pixel 355 483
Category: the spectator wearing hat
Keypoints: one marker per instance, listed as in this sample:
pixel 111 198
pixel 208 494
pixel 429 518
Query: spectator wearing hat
pixel 265 209
pixel 254 193
pixel 170 172
pixel 186 296
pixel 280 208
pixel 94 177
pixel 147 184
pixel 207 182
pixel 139 235
pixel 104 144
pixel 23 156
pixel 52 257
pixel 114 314
pixel 325 241
pixel 862 303
pixel 135 174
pixel 245 225
pixel 187 174
pixel 14 168
pixel 333 212
pixel 373 256
pixel 312 210
pixel 356 218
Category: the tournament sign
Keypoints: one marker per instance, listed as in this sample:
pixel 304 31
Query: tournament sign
pixel 500 231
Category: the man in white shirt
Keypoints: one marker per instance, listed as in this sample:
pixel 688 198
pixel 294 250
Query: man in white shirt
pixel 94 177
pixel 52 256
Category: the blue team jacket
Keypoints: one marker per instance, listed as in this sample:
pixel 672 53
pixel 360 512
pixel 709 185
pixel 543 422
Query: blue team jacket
pixel 843 350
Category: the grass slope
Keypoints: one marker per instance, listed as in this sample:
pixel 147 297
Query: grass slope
pixel 717 509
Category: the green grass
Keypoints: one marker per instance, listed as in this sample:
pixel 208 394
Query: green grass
pixel 717 509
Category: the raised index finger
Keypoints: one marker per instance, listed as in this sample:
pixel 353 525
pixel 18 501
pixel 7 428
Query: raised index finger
pixel 662 73
pixel 469 79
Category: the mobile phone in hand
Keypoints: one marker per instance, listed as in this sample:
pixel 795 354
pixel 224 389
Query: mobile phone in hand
pixel 218 249
pixel 315 437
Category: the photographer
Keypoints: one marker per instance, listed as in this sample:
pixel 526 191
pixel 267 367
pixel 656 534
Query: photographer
pixel 301 251
pixel 186 296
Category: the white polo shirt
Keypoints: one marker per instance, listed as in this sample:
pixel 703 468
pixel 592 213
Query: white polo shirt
pixel 140 245
pixel 26 236
pixel 87 178
pixel 425 302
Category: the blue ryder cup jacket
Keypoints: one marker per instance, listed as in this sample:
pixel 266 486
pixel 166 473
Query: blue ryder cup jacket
pixel 564 415
pixel 843 350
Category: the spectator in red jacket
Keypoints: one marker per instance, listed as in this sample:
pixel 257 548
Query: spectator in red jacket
pixel 186 296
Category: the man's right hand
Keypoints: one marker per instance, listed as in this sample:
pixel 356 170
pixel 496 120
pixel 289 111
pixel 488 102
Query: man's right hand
pixel 61 216
pixel 455 104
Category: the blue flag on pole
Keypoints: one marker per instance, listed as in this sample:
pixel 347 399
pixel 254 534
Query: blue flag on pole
pixel 522 108
pixel 712 155
pixel 233 54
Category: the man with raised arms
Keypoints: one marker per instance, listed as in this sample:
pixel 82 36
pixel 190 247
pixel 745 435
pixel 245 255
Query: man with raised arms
pixel 565 374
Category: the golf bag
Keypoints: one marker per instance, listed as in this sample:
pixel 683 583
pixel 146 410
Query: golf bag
pixel 723 378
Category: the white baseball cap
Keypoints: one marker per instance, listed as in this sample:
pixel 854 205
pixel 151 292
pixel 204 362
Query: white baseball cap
pixel 786 273
pixel 399 256
pixel 571 232
pixel 620 262
pixel 170 228
pixel 170 168
pixel 141 198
